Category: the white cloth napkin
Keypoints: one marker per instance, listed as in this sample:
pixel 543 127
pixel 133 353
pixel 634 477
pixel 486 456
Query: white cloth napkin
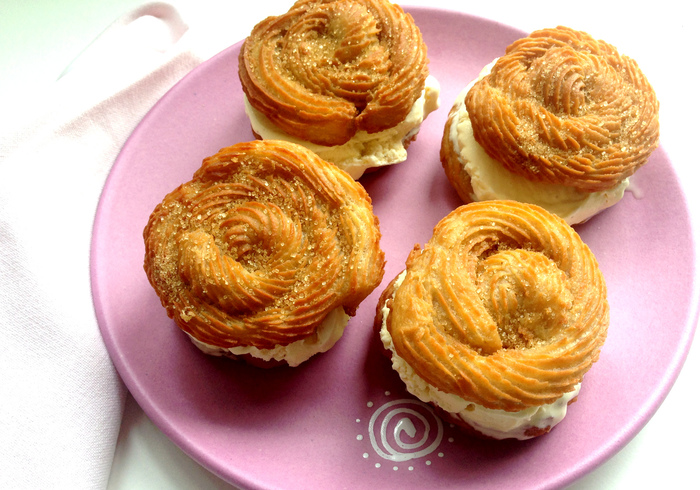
pixel 62 399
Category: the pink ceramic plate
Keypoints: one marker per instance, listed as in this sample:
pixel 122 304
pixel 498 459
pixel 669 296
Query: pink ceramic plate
pixel 342 419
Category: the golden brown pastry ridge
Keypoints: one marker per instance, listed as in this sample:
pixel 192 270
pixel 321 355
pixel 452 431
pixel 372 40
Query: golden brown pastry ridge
pixel 329 68
pixel 504 307
pixel 262 243
pixel 564 108
pixel 451 162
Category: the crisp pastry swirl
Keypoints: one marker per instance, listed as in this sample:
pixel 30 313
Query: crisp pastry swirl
pixel 564 108
pixel 261 245
pixel 329 68
pixel 505 307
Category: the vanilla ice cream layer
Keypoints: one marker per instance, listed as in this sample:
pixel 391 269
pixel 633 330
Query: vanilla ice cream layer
pixel 364 150
pixel 327 334
pixel 490 180
pixel 497 424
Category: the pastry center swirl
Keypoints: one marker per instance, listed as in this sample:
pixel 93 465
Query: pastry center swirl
pixel 244 256
pixel 526 294
pixel 336 52
pixel 261 250
pixel 560 79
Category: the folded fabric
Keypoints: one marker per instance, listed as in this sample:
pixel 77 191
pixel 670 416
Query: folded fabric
pixel 62 399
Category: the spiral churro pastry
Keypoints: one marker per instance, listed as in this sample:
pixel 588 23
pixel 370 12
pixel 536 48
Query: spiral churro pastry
pixel 345 74
pixel 264 253
pixel 498 318
pixel 567 118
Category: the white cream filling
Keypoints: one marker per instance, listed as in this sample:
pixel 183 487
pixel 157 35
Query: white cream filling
pixel 364 150
pixel 497 424
pixel 327 334
pixel 490 180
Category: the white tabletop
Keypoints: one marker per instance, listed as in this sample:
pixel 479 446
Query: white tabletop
pixel 40 38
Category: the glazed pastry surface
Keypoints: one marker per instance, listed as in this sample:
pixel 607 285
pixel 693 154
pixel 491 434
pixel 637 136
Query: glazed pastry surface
pixel 329 68
pixel 505 307
pixel 564 108
pixel 261 245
